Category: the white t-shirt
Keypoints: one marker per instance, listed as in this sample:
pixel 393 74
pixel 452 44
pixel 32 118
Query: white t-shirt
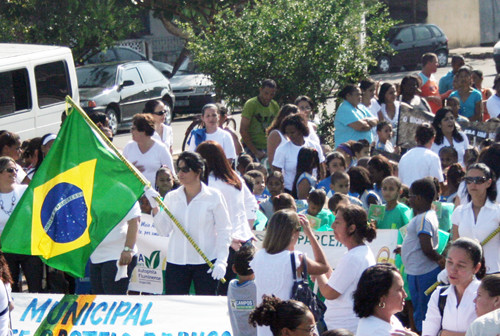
pixel 456 317
pixel 493 106
pixel 486 325
pixel 273 276
pixel 417 163
pixel 157 156
pixel 21 174
pixel 112 245
pixel 285 158
pixel 460 147
pixel 7 199
pixel 344 279
pixel 313 136
pixel 167 136
pixel 223 138
pixel 372 325
pixel 487 221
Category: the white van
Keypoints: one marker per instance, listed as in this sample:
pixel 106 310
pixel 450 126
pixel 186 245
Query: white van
pixel 34 81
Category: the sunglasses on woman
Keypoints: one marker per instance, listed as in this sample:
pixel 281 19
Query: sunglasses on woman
pixel 160 113
pixel 10 170
pixel 475 179
pixel 184 169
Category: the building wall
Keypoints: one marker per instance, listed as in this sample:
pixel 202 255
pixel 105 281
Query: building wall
pixel 490 21
pixel 460 20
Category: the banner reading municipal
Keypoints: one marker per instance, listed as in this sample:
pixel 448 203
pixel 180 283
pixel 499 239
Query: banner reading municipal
pixel 79 193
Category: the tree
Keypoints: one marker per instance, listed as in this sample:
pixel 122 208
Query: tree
pixel 198 14
pixel 86 26
pixel 309 47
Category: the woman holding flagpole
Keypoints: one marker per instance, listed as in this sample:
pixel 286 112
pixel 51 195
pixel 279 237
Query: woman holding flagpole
pixel 202 212
pixel 10 194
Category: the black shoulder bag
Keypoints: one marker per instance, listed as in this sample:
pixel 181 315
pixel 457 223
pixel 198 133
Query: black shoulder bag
pixel 303 293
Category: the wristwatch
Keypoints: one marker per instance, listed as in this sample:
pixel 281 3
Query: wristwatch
pixel 127 249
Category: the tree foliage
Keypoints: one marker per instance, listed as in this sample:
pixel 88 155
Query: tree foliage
pixel 309 47
pixel 83 25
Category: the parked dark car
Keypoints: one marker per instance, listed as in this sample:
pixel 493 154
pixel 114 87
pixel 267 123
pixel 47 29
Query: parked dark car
pixel 192 89
pixel 410 42
pixel 121 89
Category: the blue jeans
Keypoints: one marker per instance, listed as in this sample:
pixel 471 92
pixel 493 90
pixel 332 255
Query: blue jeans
pixel 418 284
pixel 178 279
pixel 102 278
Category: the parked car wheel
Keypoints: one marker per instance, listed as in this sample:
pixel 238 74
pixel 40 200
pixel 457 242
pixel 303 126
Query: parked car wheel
pixel 113 119
pixel 384 64
pixel 168 113
pixel 442 56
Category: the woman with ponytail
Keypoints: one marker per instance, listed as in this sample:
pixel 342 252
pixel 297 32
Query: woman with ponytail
pixel 352 229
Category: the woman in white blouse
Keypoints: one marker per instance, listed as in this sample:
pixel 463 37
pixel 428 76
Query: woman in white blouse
pixel 463 264
pixel 202 211
pixel 163 133
pixel 447 134
pixel 481 216
pixel 223 178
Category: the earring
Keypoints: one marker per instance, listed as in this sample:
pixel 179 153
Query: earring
pixel 381 305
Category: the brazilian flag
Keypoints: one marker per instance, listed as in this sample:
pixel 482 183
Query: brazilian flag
pixel 79 194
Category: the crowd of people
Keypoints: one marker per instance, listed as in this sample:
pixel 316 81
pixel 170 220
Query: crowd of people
pixel 283 179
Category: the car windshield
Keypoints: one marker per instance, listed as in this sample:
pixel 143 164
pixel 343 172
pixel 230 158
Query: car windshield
pixel 187 68
pixel 99 76
pixel 391 34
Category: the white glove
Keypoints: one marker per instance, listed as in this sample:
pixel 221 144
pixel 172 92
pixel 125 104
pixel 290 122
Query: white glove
pixel 443 277
pixel 219 270
pixel 151 194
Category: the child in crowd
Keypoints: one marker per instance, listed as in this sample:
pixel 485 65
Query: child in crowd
pixel 243 161
pixel 304 181
pixel 165 181
pixel 419 251
pixel 320 219
pixel 335 161
pixel 259 184
pixel 276 185
pixel 362 186
pixel 360 149
pixel 470 156
pixel 397 214
pixel 284 201
pixel 384 135
pixel 242 292
pixel 454 175
pixel 347 152
pixel 257 166
pixel 448 155
pixel 454 104
pixel 336 201
pixel 379 168
pixel 340 183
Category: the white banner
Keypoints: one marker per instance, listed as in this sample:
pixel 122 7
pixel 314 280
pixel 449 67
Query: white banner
pixel 105 315
pixel 151 260
pixel 382 247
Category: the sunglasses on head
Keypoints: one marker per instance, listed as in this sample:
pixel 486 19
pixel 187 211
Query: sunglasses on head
pixel 475 179
pixel 10 170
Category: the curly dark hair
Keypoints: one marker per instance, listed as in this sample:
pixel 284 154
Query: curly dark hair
pixel 375 282
pixel 296 120
pixel 278 314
